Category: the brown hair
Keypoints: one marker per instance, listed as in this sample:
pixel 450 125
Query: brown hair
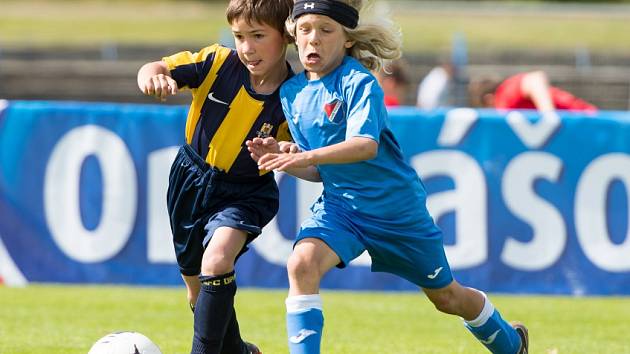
pixel 479 89
pixel 271 12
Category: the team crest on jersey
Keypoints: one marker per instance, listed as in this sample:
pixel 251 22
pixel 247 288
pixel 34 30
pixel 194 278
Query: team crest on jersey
pixel 265 131
pixel 333 109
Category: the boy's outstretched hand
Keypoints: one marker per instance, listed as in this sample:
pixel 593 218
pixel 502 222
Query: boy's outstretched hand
pixel 258 147
pixel 159 86
pixel 272 155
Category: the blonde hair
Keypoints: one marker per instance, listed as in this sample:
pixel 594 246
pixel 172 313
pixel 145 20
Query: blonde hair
pixel 376 41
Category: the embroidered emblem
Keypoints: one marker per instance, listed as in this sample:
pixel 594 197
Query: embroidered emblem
pixel 333 108
pixel 265 131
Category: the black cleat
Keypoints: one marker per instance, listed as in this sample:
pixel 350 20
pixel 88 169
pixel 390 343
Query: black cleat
pixel 252 349
pixel 522 332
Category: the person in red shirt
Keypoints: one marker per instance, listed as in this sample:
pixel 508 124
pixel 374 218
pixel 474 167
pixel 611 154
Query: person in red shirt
pixel 394 81
pixel 530 90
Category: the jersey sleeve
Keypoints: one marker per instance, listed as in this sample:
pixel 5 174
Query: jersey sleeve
pixel 366 110
pixel 190 69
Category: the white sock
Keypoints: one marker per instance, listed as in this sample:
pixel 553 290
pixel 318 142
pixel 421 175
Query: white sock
pixel 300 303
pixel 486 313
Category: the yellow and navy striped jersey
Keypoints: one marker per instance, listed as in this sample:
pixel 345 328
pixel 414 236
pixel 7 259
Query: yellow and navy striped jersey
pixel 225 111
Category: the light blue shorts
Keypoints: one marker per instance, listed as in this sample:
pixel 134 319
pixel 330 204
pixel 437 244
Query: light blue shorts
pixel 411 250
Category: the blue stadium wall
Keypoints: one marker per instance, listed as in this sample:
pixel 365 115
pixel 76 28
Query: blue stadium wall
pixel 528 204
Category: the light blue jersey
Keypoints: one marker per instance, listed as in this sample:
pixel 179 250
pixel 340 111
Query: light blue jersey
pixel 376 205
pixel 346 103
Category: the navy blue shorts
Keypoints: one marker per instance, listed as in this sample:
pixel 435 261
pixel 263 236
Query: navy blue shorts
pixel 201 199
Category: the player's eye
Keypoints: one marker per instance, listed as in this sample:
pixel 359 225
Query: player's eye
pixel 259 36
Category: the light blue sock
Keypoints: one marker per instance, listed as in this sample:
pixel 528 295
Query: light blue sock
pixel 494 332
pixel 305 322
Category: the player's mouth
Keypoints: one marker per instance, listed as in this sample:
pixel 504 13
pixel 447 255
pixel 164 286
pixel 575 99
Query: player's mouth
pixel 313 58
pixel 253 63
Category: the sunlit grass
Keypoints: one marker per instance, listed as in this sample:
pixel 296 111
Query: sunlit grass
pixel 68 319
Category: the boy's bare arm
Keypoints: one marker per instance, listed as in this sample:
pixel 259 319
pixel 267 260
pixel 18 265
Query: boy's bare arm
pixel 154 79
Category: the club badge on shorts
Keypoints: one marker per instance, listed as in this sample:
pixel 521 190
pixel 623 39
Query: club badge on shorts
pixel 334 110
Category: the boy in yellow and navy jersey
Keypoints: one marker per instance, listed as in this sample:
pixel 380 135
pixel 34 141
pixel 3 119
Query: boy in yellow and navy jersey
pixel 218 199
pixel 226 110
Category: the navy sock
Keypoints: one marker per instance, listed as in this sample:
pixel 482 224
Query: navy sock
pixel 232 341
pixel 213 312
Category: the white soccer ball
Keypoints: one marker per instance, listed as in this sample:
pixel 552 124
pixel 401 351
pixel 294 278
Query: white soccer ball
pixel 124 343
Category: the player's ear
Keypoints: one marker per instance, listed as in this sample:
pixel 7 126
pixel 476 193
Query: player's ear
pixel 349 44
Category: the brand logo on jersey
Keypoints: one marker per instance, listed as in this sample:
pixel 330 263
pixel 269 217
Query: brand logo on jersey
pixel 214 99
pixel 302 335
pixel 490 339
pixel 309 5
pixel 435 273
pixel 265 131
pixel 332 109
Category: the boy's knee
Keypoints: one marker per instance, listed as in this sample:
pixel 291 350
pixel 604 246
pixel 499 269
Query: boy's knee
pixel 216 264
pixel 302 266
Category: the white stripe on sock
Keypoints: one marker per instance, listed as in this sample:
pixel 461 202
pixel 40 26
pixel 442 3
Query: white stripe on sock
pixel 299 303
pixel 484 315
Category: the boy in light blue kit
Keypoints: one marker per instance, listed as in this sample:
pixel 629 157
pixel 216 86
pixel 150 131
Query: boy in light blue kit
pixel 372 200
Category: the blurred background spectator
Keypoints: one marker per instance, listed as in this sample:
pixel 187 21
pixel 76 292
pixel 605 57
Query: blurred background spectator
pixel 581 47
pixel 434 89
pixel 530 90
pixel 394 80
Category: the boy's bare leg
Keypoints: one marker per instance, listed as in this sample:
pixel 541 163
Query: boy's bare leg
pixel 192 287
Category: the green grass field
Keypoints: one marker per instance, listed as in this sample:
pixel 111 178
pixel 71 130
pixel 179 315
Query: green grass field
pixel 68 319
pixel 426 27
pixel 55 319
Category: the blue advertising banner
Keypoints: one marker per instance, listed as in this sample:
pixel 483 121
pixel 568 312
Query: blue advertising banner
pixel 527 203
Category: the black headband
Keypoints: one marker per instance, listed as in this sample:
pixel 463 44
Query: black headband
pixel 343 13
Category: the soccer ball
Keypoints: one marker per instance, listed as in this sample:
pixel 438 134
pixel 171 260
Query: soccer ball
pixel 124 343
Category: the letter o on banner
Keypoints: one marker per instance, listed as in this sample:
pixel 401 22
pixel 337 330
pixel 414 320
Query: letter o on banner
pixel 62 188
pixel 591 214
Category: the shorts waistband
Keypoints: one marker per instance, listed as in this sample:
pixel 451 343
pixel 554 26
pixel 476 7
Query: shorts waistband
pixel 218 174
